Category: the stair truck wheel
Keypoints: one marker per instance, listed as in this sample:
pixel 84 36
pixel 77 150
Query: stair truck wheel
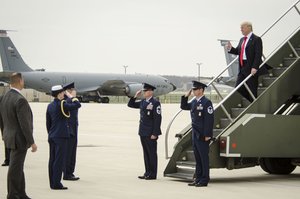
pixel 262 163
pixel 280 166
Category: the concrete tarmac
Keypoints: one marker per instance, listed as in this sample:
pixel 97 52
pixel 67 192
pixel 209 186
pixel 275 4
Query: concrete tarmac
pixel 109 159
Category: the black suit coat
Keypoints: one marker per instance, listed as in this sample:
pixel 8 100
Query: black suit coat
pixel 253 52
pixel 16 121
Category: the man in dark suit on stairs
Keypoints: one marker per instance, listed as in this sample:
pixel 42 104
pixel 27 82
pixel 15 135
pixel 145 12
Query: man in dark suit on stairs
pixel 16 122
pixel 249 50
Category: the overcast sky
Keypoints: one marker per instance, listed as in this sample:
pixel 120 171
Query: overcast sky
pixel 166 37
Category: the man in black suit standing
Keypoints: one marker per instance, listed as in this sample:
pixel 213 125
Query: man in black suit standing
pixel 249 50
pixel 16 123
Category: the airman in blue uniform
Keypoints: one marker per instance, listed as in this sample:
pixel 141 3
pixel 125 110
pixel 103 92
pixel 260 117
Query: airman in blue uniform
pixel 72 141
pixel 202 115
pixel 58 129
pixel 149 128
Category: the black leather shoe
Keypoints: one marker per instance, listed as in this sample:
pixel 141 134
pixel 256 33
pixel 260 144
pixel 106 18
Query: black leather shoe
pixel 5 164
pixel 73 178
pixel 150 178
pixel 60 188
pixel 141 177
pixel 25 197
pixel 192 184
pixel 200 185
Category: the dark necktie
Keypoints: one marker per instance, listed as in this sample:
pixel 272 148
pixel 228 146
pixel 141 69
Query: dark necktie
pixel 242 51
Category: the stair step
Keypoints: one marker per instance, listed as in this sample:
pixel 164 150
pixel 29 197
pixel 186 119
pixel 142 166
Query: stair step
pixel 224 122
pixel 277 71
pixel 260 90
pixel 235 112
pixel 185 176
pixel 190 156
pixel 287 61
pixel 191 164
pixel 216 132
pixel 267 81
pixel 245 102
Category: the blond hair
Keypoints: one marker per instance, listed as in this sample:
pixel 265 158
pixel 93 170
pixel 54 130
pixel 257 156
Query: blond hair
pixel 248 24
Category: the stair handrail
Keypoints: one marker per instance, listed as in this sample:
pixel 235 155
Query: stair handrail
pixel 294 5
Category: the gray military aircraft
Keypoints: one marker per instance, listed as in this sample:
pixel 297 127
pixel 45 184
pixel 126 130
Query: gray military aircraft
pixel 90 86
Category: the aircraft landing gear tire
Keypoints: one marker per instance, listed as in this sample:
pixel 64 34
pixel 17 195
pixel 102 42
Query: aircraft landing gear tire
pixel 280 166
pixel 105 100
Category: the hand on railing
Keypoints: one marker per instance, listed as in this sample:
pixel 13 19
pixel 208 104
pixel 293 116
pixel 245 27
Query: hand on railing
pixel 253 71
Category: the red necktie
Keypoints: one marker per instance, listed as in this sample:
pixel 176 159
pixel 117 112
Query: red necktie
pixel 242 51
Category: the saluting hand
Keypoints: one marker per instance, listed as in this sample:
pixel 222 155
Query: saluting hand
pixel 68 94
pixel 188 93
pixel 138 93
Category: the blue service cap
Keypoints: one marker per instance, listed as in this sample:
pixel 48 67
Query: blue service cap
pixel 197 85
pixel 148 87
pixel 69 86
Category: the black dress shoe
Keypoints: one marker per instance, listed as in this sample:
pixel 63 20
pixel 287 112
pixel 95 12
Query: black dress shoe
pixel 150 178
pixel 5 164
pixel 60 188
pixel 25 197
pixel 141 177
pixel 200 185
pixel 73 178
pixel 192 184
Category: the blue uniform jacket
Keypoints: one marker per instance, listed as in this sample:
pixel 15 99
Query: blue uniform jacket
pixel 73 120
pixel 202 114
pixel 56 122
pixel 150 116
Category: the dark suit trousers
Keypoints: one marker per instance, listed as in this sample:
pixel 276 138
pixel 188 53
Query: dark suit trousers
pixel 71 157
pixel 58 150
pixel 252 84
pixel 150 156
pixel 15 175
pixel 7 155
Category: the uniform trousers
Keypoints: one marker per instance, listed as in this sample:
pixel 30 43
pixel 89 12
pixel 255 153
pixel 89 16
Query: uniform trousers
pixel 57 159
pixel 15 175
pixel 71 157
pixel 150 155
pixel 201 149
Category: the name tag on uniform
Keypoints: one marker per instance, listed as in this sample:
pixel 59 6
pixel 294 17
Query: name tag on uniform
pixel 200 107
pixel 149 107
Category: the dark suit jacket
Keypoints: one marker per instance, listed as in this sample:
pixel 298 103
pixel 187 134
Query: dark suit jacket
pixel 253 51
pixel 16 121
pixel 150 116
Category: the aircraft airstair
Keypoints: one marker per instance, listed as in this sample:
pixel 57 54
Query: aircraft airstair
pixel 264 132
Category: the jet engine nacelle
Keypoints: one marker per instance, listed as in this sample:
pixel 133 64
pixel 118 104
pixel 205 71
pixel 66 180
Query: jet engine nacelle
pixel 131 89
